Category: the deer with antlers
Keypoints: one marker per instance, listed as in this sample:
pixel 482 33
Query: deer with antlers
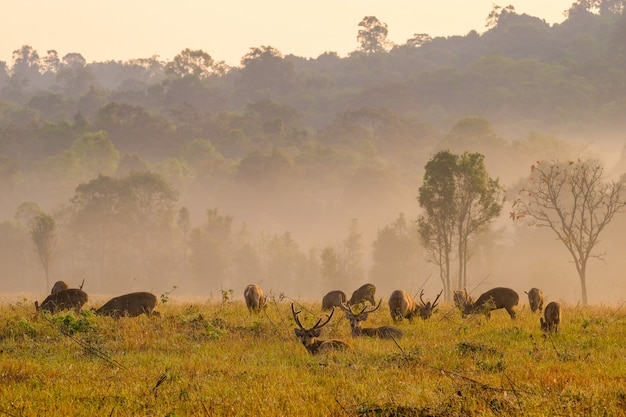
pixel 383 332
pixel 310 337
pixel 426 309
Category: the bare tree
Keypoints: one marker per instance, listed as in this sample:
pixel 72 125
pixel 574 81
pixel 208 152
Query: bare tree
pixel 575 203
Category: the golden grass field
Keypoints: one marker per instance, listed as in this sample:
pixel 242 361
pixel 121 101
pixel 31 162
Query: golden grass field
pixel 215 359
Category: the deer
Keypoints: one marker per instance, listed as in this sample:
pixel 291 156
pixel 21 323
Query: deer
pixel 129 305
pixel 425 310
pixel 333 299
pixel 402 305
pixel 310 337
pixel 255 298
pixel 59 286
pixel 552 316
pixel 535 299
pixel 494 299
pixel 383 332
pixel 363 293
pixel 70 299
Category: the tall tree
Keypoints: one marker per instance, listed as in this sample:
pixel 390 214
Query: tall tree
pixel 43 234
pixel 573 201
pixel 460 199
pixel 373 36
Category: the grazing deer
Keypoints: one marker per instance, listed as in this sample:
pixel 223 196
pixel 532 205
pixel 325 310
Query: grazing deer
pixel 129 305
pixel 494 299
pixel 426 309
pixel 553 318
pixel 70 299
pixel 383 332
pixel 535 299
pixel 255 298
pixel 402 305
pixel 333 299
pixel 309 337
pixel 363 293
pixel 59 286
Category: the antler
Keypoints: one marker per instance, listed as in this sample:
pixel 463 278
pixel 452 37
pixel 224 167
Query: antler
pixel 371 310
pixel 437 298
pixel 421 299
pixel 330 316
pixel 345 307
pixel 295 316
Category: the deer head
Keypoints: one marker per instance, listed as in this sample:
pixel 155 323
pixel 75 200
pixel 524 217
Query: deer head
pixel 309 337
pixel 426 309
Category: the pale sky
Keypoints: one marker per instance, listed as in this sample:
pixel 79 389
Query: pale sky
pixel 125 29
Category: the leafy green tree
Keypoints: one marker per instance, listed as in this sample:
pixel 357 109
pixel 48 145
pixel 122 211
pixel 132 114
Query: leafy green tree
pixel 211 254
pixel 43 235
pixel 264 70
pixel 460 200
pixel 373 37
pixel 330 266
pixel 573 200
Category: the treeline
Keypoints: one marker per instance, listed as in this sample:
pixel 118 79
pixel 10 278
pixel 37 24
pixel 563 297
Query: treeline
pixel 287 169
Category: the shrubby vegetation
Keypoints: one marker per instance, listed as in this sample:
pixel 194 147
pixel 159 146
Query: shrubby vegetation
pixel 298 173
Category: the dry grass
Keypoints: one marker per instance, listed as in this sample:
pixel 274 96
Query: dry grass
pixel 215 359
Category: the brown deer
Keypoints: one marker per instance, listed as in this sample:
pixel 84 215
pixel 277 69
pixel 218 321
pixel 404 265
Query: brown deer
pixel 70 299
pixel 426 309
pixel 383 332
pixel 309 337
pixel 255 298
pixel 553 318
pixel 535 299
pixel 402 305
pixel 333 299
pixel 363 293
pixel 59 286
pixel 494 299
pixel 129 305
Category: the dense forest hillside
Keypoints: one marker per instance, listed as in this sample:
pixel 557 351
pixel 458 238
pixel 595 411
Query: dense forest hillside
pixel 302 174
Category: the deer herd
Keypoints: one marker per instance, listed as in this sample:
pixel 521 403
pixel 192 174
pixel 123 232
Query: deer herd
pixel 356 309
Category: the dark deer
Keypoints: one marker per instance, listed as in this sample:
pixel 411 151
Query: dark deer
pixel 129 305
pixel 535 299
pixel 309 337
pixel 494 299
pixel 426 309
pixel 363 293
pixel 70 299
pixel 333 299
pixel 553 317
pixel 383 332
pixel 255 298
pixel 402 305
pixel 59 286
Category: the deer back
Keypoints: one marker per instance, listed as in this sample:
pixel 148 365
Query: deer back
pixel 59 286
pixel 552 316
pixel 364 293
pixel 402 305
pixel 255 297
pixel 129 305
pixel 333 299
pixel 70 299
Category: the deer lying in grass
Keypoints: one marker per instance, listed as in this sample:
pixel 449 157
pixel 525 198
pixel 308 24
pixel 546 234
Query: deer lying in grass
pixel 383 332
pixel 309 337
pixel 70 299
pixel 553 317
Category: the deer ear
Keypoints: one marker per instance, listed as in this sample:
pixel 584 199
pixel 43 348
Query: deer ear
pixel 317 332
pixel 298 332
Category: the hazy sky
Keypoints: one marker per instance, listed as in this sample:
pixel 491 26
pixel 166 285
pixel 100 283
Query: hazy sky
pixel 227 29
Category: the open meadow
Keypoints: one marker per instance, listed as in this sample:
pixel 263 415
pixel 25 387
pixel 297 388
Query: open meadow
pixel 217 359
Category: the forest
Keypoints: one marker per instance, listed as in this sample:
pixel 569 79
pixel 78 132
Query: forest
pixel 302 174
